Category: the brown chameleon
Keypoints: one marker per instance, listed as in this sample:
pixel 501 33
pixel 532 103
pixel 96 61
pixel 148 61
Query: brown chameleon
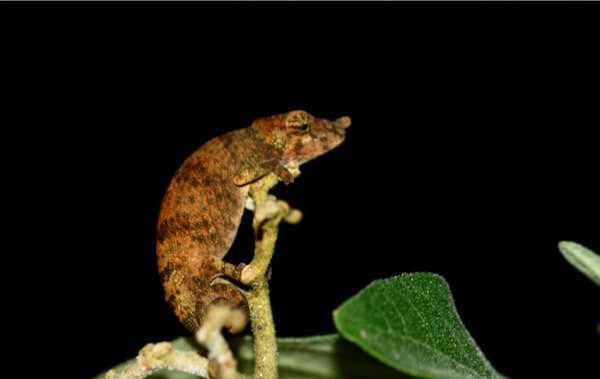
pixel 202 208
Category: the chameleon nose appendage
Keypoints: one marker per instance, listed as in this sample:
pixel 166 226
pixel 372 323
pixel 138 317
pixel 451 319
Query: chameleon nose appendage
pixel 343 122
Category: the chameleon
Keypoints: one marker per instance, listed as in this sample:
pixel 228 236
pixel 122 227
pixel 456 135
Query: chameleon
pixel 202 208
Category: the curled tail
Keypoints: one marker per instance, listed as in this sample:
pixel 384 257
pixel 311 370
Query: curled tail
pixel 221 293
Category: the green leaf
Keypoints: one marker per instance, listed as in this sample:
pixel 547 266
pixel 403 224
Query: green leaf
pixel 582 258
pixel 320 357
pixel 410 323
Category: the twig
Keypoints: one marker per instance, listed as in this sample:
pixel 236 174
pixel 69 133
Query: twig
pixel 222 364
pixel 154 357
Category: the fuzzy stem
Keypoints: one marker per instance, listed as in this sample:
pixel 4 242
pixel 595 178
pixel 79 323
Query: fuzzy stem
pixel 263 328
pixel 267 216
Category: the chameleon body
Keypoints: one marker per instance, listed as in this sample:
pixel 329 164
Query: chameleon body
pixel 203 205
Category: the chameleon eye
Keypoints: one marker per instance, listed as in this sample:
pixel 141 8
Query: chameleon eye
pixel 298 120
pixel 301 126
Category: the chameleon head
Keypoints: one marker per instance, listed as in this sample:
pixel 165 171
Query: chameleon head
pixel 299 136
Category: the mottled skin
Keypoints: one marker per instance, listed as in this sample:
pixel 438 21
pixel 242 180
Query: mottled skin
pixel 202 208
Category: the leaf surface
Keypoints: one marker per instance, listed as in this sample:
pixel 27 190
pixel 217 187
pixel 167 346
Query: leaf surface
pixel 410 323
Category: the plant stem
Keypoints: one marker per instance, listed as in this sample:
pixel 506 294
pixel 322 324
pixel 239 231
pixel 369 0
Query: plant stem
pixel 267 216
pixel 263 328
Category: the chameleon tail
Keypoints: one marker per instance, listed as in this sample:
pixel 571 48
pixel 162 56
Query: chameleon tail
pixel 191 291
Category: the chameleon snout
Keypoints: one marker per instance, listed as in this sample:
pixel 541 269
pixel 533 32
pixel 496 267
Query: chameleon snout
pixel 343 122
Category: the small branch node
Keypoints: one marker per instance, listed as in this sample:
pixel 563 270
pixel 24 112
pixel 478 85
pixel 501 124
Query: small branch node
pixel 294 216
pixel 267 210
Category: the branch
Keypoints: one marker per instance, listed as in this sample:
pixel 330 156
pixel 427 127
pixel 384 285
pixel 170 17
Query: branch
pixel 222 364
pixel 268 215
pixel 162 356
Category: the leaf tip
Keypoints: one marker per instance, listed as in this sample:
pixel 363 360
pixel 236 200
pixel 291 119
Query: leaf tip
pixel 582 258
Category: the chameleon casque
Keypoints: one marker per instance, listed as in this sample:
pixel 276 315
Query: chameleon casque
pixel 203 205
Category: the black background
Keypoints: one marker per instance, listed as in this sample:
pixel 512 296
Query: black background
pixel 472 152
